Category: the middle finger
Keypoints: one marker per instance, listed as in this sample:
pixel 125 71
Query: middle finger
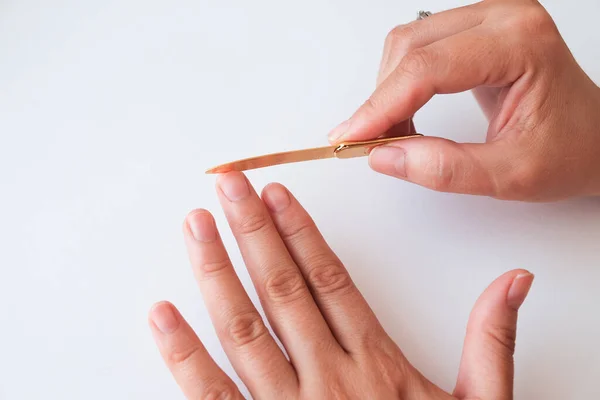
pixel 283 293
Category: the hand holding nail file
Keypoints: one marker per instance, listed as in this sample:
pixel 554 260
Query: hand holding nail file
pixel 342 150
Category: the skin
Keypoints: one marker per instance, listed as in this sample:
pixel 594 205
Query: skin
pixel 543 140
pixel 336 347
pixel 542 144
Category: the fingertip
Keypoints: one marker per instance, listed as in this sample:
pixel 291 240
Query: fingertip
pixel 157 306
pixel 520 271
pixel 339 132
pixel 192 213
pixel 273 186
pixel 507 277
pixel 164 316
pixel 228 175
pixel 200 225
pixel 490 339
pixel 234 186
pixel 519 289
pixel 276 197
pixel 505 280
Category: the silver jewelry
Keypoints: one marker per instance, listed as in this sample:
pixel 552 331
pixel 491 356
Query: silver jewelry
pixel 423 14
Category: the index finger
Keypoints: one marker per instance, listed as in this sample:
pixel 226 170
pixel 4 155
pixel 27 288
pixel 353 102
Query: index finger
pixel 455 64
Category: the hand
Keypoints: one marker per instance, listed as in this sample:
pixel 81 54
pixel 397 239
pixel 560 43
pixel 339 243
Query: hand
pixel 336 347
pixel 543 141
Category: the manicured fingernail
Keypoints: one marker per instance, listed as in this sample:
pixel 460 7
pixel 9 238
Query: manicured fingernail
pixel 202 225
pixel 164 318
pixel 339 131
pixel 389 160
pixel 276 197
pixel 234 185
pixel 518 289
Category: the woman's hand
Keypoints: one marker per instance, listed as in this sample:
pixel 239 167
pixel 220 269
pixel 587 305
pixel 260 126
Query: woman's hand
pixel 336 346
pixel 543 141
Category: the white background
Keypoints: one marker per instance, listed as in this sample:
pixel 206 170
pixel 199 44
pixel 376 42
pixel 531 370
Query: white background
pixel 111 110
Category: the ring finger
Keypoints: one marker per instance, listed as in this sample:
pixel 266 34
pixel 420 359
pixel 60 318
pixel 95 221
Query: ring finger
pixel 196 373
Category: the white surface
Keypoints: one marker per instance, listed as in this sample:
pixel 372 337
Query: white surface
pixel 111 110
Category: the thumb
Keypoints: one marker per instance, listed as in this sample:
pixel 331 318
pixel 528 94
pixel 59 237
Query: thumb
pixel 444 165
pixel 486 369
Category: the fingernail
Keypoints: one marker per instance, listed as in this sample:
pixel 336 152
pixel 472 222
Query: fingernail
pixel 276 197
pixel 202 225
pixel 389 160
pixel 234 185
pixel 164 318
pixel 518 289
pixel 339 131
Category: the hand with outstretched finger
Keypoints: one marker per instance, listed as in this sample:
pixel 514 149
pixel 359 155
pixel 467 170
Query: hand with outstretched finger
pixel 336 347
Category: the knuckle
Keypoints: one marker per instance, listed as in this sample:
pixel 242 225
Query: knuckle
pixel 523 183
pixel 537 21
pixel 336 389
pixel 442 181
pixel 212 268
pixel 394 34
pixel 297 233
pixel 440 172
pixel 531 20
pixel 401 38
pixel 501 338
pixel 252 223
pixel 389 363
pixel 219 390
pixel 182 355
pixel 416 62
pixel 329 276
pixel 375 106
pixel 285 285
pixel 245 329
pixel 372 104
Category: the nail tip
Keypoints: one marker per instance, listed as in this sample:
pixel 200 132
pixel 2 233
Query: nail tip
pixel 158 305
pixel 196 211
pixel 526 274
